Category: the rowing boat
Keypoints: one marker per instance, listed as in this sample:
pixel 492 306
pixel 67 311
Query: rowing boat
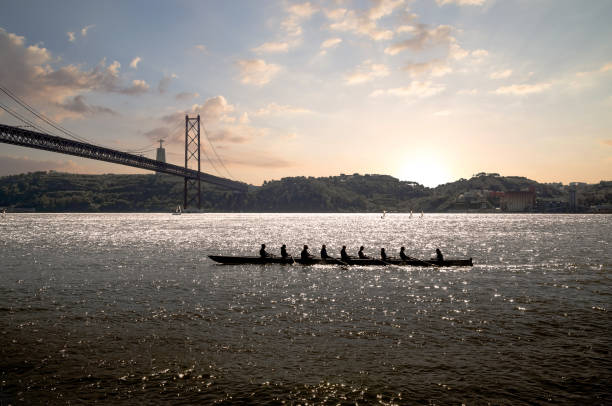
pixel 231 260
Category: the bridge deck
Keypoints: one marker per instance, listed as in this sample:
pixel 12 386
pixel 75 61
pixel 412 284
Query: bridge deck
pixel 33 139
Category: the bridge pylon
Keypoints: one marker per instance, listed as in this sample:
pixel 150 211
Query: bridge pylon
pixel 192 192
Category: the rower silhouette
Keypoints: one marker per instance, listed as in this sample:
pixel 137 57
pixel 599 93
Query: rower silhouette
pixel 305 255
pixel 343 255
pixel 361 254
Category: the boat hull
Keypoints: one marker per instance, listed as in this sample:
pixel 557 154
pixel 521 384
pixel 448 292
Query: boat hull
pixel 231 260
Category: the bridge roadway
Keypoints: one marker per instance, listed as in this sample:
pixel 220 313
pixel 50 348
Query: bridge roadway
pixel 33 139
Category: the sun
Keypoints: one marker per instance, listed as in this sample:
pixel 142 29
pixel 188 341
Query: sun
pixel 426 170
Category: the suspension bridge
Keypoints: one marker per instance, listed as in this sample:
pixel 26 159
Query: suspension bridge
pixel 17 135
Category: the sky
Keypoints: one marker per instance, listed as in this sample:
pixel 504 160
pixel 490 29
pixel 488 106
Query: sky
pixel 429 91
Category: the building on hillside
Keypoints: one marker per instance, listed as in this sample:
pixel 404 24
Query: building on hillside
pixel 518 201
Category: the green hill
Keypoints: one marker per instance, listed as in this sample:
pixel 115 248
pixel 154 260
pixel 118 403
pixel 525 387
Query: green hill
pixel 61 192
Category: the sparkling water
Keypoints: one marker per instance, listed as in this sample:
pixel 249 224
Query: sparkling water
pixel 127 308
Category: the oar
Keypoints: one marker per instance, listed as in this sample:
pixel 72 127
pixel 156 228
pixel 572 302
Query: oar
pixel 339 260
pixel 387 263
pixel 424 263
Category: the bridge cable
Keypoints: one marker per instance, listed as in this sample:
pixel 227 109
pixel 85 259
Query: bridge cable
pixel 43 117
pixel 217 155
pixel 57 126
pixel 21 118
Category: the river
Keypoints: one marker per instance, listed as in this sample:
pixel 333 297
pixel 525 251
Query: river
pixel 127 308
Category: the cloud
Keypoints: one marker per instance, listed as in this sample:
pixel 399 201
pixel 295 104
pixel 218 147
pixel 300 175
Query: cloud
pixel 272 47
pixel 480 53
pixel 201 48
pixel 14 165
pixel 256 71
pixel 298 13
pixel 364 22
pixel 605 68
pixel 138 87
pixel 461 2
pixel 275 109
pixel 366 72
pixel 210 111
pixel 501 74
pixel 71 36
pixel 85 29
pixel 135 62
pixel 30 74
pixel 423 37
pixel 78 105
pixel 330 43
pixel 607 142
pixel 435 68
pixel 521 90
pixel 186 96
pixel 164 82
pixel 217 119
pixel 415 89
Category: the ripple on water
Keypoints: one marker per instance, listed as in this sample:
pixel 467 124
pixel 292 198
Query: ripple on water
pixel 128 308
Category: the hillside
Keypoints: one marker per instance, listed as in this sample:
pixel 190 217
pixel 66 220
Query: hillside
pixel 61 192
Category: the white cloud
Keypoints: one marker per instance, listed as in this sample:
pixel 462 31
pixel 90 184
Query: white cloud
pixel 607 67
pixel 364 22
pixel 257 71
pixel 435 68
pixel 135 61
pixel 272 47
pixel 30 73
pixel 244 118
pixel 480 53
pixel 330 43
pixel 503 74
pixel 85 29
pixel 71 36
pixel 423 36
pixel 366 72
pixel 521 90
pixel 461 2
pixel 138 87
pixel 298 13
pixel 275 109
pixel 415 89
pixel 405 28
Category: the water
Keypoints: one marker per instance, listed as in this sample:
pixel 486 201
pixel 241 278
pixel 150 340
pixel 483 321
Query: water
pixel 128 309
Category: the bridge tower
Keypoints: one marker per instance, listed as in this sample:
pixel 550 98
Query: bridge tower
pixel 192 153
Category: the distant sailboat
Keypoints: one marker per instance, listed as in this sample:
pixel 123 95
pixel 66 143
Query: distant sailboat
pixel 178 211
pixel 384 214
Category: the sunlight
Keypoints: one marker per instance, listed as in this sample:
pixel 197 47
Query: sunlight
pixel 425 170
